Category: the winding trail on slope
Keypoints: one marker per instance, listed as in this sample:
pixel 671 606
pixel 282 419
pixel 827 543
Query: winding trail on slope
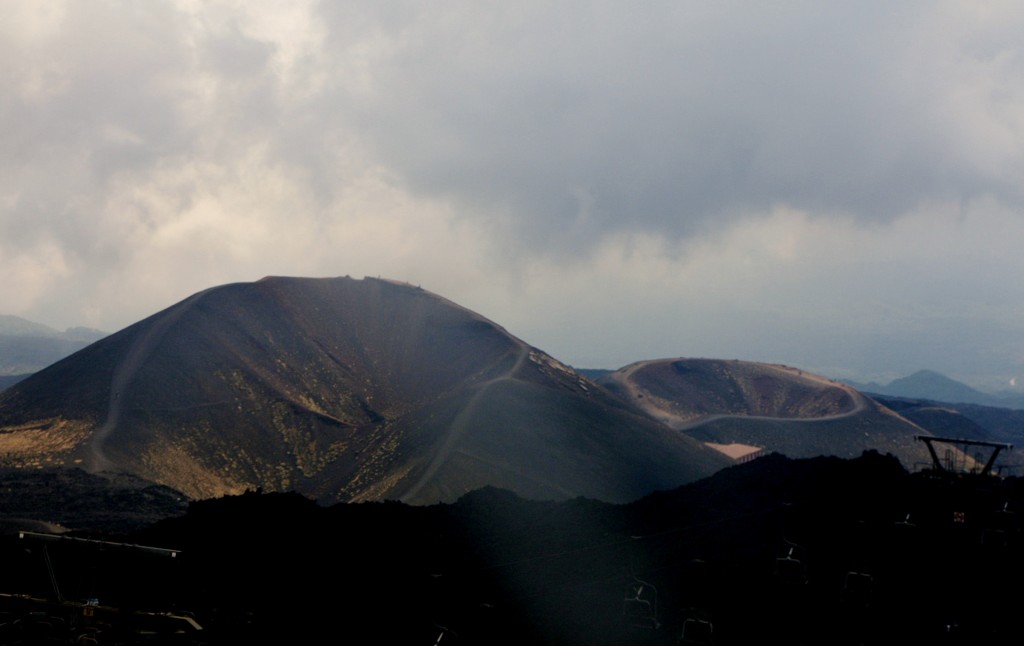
pixel 679 423
pixel 126 368
pixel 460 425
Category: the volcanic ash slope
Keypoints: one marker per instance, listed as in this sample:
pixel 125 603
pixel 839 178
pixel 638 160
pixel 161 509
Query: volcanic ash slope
pixel 342 390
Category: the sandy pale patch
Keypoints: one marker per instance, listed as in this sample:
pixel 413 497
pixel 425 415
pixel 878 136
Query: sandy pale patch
pixel 735 451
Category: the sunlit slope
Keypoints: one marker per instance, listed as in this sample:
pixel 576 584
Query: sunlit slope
pixel 769 406
pixel 341 389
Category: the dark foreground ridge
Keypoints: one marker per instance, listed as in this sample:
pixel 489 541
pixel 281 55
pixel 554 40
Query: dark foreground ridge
pixel 821 550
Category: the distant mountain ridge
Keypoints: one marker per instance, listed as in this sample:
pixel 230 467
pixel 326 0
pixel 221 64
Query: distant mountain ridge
pixel 18 326
pixel 932 385
pixel 27 346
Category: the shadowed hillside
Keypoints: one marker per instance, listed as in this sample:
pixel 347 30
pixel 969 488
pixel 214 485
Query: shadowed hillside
pixel 340 389
pixel 6 381
pixel 780 551
pixel 967 422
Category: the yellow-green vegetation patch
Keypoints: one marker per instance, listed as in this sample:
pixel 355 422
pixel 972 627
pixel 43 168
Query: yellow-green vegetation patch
pixel 41 443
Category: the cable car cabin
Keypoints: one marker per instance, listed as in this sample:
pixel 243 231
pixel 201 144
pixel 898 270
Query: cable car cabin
pixel 998 529
pixel 858 587
pixel 906 525
pixel 697 629
pixel 994 539
pixel 640 605
pixel 790 570
pixel 1003 520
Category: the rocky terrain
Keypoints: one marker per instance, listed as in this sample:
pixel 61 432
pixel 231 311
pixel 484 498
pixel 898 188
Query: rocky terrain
pixel 269 436
pixel 342 390
pixel 815 551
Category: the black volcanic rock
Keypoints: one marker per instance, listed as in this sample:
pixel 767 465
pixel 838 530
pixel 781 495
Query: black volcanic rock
pixel 57 499
pixel 342 390
pixel 870 549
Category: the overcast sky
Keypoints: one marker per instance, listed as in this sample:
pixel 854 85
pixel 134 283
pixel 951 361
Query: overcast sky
pixel 836 186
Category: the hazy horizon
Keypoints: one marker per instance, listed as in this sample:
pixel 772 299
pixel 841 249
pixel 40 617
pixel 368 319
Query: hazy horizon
pixel 834 187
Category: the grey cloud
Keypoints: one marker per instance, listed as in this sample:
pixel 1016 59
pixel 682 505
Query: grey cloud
pixel 135 137
pixel 668 117
pixel 127 90
pixel 559 122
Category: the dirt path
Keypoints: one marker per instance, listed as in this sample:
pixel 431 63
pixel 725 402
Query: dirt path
pixel 125 370
pixel 460 425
